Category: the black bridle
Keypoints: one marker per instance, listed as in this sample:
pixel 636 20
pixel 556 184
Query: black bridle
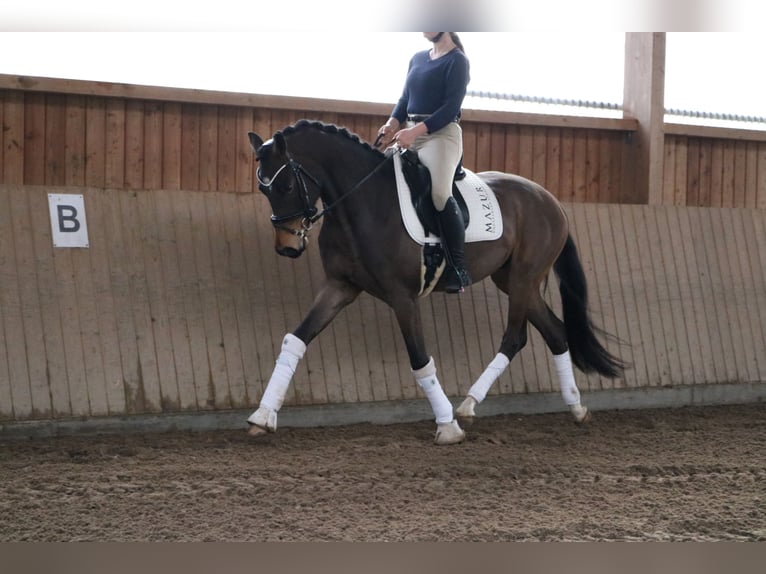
pixel 309 213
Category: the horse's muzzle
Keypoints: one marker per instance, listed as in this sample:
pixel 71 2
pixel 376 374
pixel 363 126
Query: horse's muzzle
pixel 290 241
pixel 291 252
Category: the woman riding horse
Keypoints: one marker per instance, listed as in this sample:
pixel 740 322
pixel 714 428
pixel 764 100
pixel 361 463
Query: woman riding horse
pixel 429 110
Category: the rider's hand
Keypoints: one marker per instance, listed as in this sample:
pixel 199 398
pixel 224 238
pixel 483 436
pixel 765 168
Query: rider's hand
pixel 406 137
pixel 386 132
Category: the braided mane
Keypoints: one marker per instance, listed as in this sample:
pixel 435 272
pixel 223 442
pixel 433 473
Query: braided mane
pixel 329 129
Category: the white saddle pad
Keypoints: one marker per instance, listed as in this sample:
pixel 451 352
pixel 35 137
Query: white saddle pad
pixel 486 221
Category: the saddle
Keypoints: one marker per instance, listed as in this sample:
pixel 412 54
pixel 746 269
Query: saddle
pixel 420 218
pixel 419 181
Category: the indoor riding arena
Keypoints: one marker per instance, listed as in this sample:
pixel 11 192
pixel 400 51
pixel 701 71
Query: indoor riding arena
pixel 143 305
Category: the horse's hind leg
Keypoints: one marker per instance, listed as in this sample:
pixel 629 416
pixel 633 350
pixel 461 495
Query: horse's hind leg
pixel 553 331
pixel 514 339
pixel 536 310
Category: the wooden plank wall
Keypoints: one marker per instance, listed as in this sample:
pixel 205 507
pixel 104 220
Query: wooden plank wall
pixel 575 164
pixel 135 137
pixel 180 304
pixel 715 172
pixel 126 143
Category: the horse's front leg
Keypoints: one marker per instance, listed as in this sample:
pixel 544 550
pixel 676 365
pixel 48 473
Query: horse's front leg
pixel 448 430
pixel 333 297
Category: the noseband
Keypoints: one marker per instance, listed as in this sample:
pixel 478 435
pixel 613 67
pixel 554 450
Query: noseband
pixel 308 213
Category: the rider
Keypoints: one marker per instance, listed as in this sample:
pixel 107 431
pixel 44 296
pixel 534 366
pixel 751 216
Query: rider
pixel 428 113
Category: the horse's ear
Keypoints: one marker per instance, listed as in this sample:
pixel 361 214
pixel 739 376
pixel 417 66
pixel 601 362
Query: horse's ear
pixel 255 140
pixel 279 143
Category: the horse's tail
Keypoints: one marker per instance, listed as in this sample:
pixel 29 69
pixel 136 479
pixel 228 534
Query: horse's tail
pixel 586 351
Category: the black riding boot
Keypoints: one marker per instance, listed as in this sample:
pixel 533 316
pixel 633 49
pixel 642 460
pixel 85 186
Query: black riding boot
pixel 453 241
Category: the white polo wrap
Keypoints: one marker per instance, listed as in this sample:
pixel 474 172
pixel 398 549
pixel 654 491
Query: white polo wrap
pixel 569 390
pixel 292 351
pixel 427 380
pixel 482 385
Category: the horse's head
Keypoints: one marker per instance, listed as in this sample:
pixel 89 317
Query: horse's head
pixel 291 191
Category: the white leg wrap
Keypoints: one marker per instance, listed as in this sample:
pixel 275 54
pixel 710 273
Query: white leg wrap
pixel 569 390
pixel 427 380
pixel 292 351
pixel 482 385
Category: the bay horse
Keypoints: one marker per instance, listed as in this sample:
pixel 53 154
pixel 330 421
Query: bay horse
pixel 364 247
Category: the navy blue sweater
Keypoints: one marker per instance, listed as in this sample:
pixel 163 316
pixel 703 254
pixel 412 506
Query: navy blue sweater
pixel 435 88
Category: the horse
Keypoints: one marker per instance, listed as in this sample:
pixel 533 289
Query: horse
pixel 364 247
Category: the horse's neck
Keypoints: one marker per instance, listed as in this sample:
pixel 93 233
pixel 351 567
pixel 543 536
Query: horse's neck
pixel 354 181
pixel 362 194
pixel 350 174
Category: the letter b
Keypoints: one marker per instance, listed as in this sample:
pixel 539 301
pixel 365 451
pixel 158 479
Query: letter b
pixel 67 217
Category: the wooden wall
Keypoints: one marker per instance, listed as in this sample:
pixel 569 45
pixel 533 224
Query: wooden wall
pixel 705 171
pixel 126 143
pixel 576 164
pixel 64 132
pixel 180 303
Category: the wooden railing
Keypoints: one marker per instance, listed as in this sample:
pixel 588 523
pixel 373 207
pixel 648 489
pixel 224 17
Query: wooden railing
pixel 66 132
pixel 69 132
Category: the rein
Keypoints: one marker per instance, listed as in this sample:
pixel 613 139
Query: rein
pixel 359 184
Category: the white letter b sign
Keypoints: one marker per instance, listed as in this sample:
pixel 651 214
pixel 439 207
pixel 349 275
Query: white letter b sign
pixel 68 224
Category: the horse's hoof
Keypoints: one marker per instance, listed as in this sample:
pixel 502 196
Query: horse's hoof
pixel 261 421
pixel 465 421
pixel 449 433
pixel 581 414
pixel 586 419
pixel 466 411
pixel 255 430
